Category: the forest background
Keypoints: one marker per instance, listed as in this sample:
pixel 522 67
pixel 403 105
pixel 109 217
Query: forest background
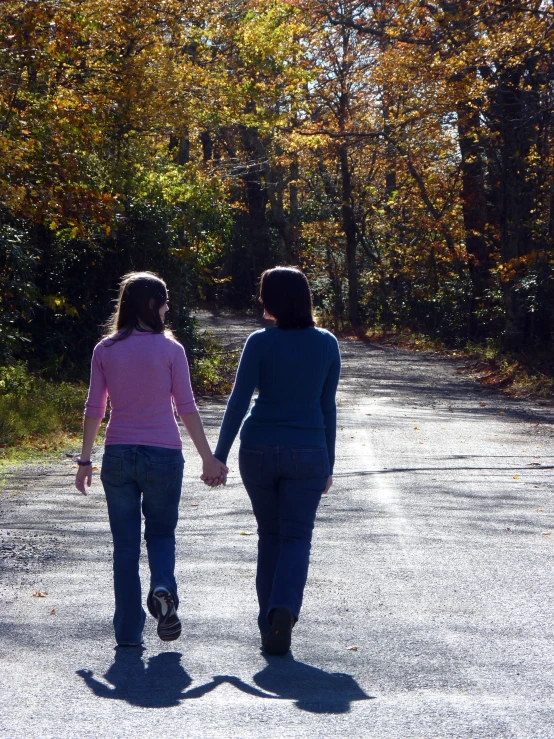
pixel 400 151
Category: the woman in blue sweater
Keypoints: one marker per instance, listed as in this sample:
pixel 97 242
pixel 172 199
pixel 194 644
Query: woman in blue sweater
pixel 287 448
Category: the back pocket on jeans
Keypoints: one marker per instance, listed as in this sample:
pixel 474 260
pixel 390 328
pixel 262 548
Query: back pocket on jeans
pixel 250 464
pixel 162 474
pixel 111 471
pixel 310 463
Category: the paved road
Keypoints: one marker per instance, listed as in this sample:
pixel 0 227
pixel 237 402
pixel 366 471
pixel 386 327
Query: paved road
pixel 432 555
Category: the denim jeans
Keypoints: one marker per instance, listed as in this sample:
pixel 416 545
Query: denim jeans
pixel 284 484
pixel 153 476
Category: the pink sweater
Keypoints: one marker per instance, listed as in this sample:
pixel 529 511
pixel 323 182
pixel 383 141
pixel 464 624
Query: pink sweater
pixel 141 374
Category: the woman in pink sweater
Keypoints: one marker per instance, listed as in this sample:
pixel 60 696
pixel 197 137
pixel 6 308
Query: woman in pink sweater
pixel 145 373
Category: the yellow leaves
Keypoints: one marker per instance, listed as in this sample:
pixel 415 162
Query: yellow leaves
pixel 40 594
pixel 518 266
pixel 58 303
pixel 352 648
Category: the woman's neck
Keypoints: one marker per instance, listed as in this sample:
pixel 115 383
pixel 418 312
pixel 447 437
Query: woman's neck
pixel 141 326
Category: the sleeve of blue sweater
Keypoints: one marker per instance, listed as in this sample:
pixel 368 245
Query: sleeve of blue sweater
pixel 246 381
pixel 328 400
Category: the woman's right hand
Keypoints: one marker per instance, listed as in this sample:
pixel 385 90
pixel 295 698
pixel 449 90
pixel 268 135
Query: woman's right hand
pixel 214 472
pixel 329 483
pixel 84 475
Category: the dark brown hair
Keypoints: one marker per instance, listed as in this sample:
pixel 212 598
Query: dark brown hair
pixel 141 295
pixel 285 294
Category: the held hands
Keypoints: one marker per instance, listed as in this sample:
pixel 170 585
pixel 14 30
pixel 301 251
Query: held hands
pixel 214 472
pixel 84 474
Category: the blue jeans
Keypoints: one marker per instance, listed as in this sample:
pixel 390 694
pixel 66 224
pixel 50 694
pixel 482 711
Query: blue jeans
pixel 284 484
pixel 154 474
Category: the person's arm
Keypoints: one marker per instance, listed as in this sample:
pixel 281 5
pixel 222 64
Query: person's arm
pixel 95 410
pixel 91 426
pixel 329 405
pixel 246 381
pixel 214 472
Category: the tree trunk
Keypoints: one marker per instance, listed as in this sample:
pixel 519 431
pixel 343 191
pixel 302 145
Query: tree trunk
pixel 514 114
pixel 258 234
pixel 292 257
pixel 349 228
pixel 182 146
pixel 474 209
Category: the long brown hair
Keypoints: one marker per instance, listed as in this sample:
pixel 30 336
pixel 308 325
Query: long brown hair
pixel 141 295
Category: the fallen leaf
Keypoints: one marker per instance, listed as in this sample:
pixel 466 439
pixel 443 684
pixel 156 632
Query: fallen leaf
pixel 482 405
pixel 539 510
pixel 416 428
pixel 95 469
pixel 534 464
pixel 353 648
pixel 516 477
pixel 194 505
pixel 501 413
pixel 247 533
pixel 546 533
pixel 53 612
pixel 39 594
pixel 368 414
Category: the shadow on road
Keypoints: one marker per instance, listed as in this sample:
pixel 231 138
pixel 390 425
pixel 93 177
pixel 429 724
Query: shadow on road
pixel 162 682
pixel 310 688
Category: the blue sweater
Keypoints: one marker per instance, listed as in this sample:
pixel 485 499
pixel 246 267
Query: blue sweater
pixel 296 372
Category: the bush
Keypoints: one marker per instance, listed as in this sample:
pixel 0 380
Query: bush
pixel 213 367
pixel 32 408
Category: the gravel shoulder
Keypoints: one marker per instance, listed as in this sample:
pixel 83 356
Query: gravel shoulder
pixel 428 612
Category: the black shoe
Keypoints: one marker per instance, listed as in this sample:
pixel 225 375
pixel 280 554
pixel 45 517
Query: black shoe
pixel 277 640
pixel 162 606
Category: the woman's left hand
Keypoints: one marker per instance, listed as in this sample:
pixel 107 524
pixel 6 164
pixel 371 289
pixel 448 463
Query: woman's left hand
pixel 84 475
pixel 214 472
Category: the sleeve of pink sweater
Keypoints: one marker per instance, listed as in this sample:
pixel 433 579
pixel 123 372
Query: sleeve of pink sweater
pixel 181 389
pixel 95 406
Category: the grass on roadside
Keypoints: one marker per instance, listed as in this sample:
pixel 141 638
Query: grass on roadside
pixel 517 375
pixel 37 416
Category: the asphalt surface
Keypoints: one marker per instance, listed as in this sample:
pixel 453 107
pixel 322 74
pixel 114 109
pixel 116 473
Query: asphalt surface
pixel 428 612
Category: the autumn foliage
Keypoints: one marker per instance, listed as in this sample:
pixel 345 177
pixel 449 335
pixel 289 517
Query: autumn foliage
pixel 400 151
